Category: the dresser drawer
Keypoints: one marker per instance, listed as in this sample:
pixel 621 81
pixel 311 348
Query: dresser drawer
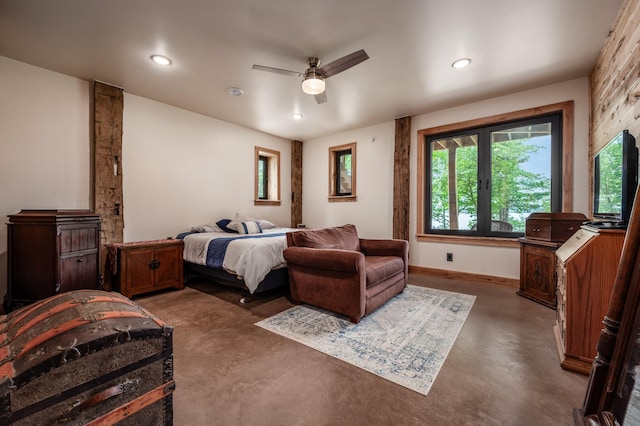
pixel 79 238
pixel 539 229
pixel 78 272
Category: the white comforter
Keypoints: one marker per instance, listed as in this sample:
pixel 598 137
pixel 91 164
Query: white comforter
pixel 249 258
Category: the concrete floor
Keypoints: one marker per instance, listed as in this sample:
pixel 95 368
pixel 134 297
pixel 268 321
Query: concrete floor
pixel 503 369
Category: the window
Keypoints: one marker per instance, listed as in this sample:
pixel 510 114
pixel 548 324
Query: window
pixel 342 173
pixel 485 181
pixel 267 186
pixel 263 177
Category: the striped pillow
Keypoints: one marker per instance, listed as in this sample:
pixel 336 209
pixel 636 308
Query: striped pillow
pixel 249 228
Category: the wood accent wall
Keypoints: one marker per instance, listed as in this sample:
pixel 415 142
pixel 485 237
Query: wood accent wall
pixel 296 183
pixel 108 104
pixel 615 106
pixel 615 81
pixel 401 178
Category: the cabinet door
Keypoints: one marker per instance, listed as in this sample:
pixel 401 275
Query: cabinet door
pixel 139 273
pixel 539 272
pixel 78 272
pixel 168 272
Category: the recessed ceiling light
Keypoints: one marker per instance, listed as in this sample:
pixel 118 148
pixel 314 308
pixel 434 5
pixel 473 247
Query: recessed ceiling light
pixel 297 116
pixel 235 91
pixel 461 63
pixel 161 60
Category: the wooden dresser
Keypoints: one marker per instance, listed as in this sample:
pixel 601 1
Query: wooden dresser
pixel 544 234
pixel 50 252
pixel 587 267
pixel 145 266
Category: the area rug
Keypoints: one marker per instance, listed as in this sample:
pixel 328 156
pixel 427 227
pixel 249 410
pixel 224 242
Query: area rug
pixel 406 341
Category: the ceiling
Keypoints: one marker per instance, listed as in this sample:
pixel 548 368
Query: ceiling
pixel 514 45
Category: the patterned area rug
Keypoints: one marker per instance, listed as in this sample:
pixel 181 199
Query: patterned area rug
pixel 405 341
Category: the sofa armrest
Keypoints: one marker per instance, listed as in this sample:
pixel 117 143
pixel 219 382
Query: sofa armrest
pixel 388 247
pixel 328 259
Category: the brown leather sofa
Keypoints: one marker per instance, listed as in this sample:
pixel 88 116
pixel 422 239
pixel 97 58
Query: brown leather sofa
pixel 334 269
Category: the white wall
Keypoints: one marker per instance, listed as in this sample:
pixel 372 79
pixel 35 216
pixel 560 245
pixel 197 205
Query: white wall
pixel 182 169
pixel 44 144
pixel 373 212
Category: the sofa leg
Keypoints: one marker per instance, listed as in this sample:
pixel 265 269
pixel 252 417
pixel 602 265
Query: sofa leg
pixel 354 320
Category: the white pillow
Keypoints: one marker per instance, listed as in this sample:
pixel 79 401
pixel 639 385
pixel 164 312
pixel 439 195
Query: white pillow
pixel 207 228
pixel 238 219
pixel 250 227
pixel 265 224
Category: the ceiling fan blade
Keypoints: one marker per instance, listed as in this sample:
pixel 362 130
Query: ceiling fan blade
pixel 343 63
pixel 321 98
pixel 277 70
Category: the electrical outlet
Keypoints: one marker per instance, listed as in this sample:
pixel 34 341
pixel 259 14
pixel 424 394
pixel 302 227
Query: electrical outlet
pixel 449 257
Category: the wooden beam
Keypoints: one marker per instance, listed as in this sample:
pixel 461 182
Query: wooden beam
pixel 296 183
pixel 401 178
pixel 108 105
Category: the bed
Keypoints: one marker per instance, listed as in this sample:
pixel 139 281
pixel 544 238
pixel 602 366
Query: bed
pixel 252 262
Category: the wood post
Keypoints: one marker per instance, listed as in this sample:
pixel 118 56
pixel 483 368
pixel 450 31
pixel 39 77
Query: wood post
pixel 296 183
pixel 401 181
pixel 108 107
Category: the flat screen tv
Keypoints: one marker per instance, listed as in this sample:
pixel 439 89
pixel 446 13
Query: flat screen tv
pixel 615 179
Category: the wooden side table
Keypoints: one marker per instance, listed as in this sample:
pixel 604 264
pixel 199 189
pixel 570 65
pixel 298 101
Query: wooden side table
pixel 145 266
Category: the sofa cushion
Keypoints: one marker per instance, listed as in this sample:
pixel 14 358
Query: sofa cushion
pixel 340 237
pixel 379 268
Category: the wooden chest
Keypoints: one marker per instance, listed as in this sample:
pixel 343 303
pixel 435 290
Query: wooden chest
pixel 145 266
pixel 556 227
pixel 85 357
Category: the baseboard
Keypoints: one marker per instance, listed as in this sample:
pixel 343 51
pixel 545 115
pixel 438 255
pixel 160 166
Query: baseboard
pixel 465 276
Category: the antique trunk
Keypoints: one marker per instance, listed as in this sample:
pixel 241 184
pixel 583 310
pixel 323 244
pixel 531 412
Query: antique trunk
pixel 85 357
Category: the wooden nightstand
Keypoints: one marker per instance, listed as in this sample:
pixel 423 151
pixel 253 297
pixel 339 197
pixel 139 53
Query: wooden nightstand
pixel 145 266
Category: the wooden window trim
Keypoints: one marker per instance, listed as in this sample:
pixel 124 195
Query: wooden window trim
pixel 273 155
pixel 333 151
pixel 566 108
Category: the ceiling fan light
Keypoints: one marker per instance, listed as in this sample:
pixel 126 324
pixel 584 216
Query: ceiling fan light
pixel 313 84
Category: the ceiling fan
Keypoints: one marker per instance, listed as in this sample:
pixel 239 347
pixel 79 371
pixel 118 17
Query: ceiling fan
pixel 313 77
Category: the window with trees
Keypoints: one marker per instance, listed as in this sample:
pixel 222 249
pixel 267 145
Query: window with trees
pixel 267 171
pixel 342 172
pixel 486 180
pixel 263 177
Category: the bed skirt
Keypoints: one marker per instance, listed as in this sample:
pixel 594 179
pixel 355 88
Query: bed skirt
pixel 275 279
